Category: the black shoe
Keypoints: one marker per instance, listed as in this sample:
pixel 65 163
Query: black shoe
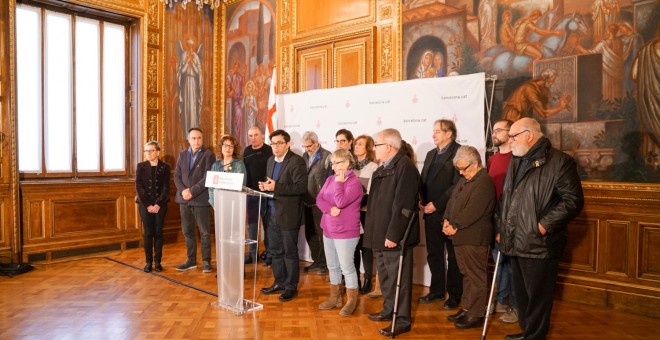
pixel 366 288
pixel 288 295
pixel 268 261
pixel 430 297
pixel 469 322
pixel 518 336
pixel 322 271
pixel 147 268
pixel 263 255
pixel 275 288
pixel 379 317
pixel 158 268
pixel 456 316
pixel 452 303
pixel 387 331
pixel 311 267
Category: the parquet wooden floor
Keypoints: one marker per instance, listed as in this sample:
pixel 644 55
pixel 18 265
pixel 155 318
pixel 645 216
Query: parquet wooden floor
pixel 109 297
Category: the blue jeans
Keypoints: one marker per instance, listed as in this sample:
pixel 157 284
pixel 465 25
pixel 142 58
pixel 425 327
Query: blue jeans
pixel 339 258
pixel 504 279
pixel 191 215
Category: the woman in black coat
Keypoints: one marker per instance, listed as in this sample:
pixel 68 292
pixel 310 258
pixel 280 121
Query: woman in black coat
pixel 152 184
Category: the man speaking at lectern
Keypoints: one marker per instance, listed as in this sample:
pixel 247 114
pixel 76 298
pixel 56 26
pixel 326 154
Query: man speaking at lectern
pixel 286 178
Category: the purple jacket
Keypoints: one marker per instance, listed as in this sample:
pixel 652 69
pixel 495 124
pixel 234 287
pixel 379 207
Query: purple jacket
pixel 345 196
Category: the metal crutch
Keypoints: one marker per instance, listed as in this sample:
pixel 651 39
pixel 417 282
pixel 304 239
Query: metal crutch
pixel 490 296
pixel 411 214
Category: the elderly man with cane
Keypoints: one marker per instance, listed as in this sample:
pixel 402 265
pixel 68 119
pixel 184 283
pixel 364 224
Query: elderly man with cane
pixel 393 188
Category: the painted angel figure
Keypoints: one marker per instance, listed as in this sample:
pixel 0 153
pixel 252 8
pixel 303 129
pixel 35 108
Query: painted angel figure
pixel 189 84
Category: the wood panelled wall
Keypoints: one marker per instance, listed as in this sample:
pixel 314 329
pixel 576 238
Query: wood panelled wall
pixel 613 256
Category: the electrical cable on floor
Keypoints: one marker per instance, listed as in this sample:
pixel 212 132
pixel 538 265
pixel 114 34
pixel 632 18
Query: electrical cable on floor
pixel 164 277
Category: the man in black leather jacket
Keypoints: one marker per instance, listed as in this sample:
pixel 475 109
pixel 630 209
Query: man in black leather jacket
pixel 542 193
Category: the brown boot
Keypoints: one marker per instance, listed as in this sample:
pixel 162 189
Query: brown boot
pixel 376 293
pixel 350 305
pixel 335 299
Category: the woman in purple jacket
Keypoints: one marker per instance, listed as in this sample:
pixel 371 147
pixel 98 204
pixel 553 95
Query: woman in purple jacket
pixel 339 200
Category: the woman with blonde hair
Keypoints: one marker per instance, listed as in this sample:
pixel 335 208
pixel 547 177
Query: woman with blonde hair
pixel 339 201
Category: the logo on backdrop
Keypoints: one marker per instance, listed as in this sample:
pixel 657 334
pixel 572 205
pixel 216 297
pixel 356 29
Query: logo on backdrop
pixel 348 104
pixel 379 121
pixel 318 123
pixel 414 99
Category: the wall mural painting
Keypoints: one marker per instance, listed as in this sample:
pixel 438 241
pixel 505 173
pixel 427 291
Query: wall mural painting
pixel 250 47
pixel 589 71
pixel 188 76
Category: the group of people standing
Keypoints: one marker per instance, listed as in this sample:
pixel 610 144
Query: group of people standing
pixel 357 203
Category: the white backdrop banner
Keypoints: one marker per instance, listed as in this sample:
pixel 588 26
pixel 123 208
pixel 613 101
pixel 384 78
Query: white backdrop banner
pixel 409 106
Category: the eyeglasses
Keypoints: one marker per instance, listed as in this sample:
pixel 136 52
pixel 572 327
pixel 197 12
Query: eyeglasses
pixel 277 143
pixel 513 136
pixel 379 144
pixel 227 146
pixel 496 131
pixel 150 151
pixel 308 146
pixel 337 163
pixel 341 141
pixel 464 168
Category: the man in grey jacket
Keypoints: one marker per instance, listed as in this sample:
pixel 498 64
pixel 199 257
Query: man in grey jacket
pixel 316 158
pixel 193 198
pixel 542 193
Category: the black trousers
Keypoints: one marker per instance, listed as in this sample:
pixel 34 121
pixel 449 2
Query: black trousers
pixel 436 244
pixel 284 251
pixel 314 235
pixel 388 269
pixel 534 282
pixel 367 255
pixel 152 227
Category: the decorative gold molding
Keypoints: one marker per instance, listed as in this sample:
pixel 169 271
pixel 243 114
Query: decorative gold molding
pixel 152 125
pixel 386 52
pixel 285 35
pixel 330 38
pixel 153 38
pixel 286 70
pixel 152 71
pixel 152 13
pixel 371 18
pixel 152 103
pixel 286 13
pixel 385 12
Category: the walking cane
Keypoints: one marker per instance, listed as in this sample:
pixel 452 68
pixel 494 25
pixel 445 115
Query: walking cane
pixel 411 214
pixel 490 296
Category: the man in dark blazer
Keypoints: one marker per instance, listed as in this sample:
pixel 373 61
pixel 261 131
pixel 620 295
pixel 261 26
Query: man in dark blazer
pixel 393 192
pixel 193 198
pixel 316 158
pixel 286 178
pixel 438 179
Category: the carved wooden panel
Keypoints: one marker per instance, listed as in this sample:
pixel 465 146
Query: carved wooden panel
pixel 72 217
pixel 35 227
pixel 581 248
pixel 67 216
pixel 350 64
pixel 318 16
pixel 616 247
pixel 313 72
pixel 649 251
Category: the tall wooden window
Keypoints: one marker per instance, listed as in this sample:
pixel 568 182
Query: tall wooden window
pixel 72 80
